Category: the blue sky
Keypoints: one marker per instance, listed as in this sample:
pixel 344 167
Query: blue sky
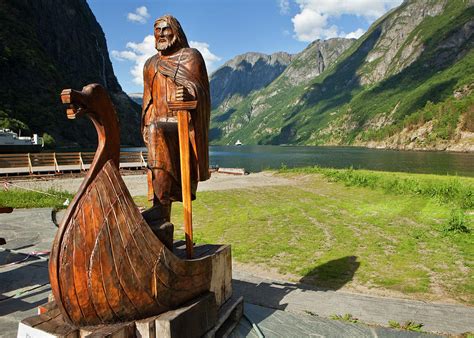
pixel 223 29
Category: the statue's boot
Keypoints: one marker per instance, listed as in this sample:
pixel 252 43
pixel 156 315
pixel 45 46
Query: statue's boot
pixel 158 218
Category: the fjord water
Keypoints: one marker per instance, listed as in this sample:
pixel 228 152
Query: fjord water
pixel 258 158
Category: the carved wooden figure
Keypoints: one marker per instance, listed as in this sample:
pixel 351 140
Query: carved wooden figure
pixel 106 264
pixel 176 73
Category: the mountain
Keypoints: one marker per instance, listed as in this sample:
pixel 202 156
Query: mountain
pixel 298 69
pixel 244 74
pixel 49 45
pixel 406 83
pixel 136 97
pixel 315 59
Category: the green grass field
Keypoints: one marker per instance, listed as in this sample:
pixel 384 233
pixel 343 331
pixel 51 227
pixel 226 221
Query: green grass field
pixel 377 232
pixel 331 234
pixel 17 198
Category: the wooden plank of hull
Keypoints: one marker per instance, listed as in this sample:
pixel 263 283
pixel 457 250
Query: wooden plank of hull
pixel 80 266
pixel 115 278
pixel 67 278
pixel 114 293
pixel 116 296
pixel 88 213
pixel 128 242
pixel 97 290
pixel 127 265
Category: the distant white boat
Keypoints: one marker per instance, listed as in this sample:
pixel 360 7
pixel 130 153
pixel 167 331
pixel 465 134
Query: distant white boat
pixel 11 142
pixel 238 143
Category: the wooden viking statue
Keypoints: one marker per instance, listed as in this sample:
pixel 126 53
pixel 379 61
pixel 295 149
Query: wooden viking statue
pixel 175 73
pixel 106 264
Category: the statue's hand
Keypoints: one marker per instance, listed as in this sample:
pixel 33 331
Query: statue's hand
pixel 182 94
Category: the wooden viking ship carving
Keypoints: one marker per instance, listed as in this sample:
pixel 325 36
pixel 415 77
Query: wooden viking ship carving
pixel 106 265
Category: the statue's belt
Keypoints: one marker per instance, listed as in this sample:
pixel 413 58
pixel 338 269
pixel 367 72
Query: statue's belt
pixel 170 118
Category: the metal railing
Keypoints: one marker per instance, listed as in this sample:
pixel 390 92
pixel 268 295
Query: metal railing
pixel 36 163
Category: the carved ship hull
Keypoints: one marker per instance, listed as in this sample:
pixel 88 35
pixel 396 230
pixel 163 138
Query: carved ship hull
pixel 106 264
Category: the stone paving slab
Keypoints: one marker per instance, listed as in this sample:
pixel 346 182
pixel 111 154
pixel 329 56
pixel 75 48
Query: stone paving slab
pixel 298 298
pixel 23 286
pixel 13 310
pixel 27 230
pixel 282 324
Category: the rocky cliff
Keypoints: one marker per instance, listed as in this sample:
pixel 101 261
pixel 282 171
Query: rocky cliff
pixel 49 45
pixel 243 74
pixel 315 59
pixel 397 47
pixel 405 84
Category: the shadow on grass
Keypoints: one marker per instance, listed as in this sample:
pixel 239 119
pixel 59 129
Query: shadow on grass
pixel 329 276
pixel 332 275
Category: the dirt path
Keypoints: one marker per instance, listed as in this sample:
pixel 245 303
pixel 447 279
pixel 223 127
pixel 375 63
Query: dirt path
pixel 138 187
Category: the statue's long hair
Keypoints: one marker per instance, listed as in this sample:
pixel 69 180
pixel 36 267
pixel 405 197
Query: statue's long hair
pixel 181 40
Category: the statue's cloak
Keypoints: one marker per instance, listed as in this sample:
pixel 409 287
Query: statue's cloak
pixel 188 69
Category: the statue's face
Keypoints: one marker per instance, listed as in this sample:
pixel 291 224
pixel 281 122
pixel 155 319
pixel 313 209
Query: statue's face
pixel 164 36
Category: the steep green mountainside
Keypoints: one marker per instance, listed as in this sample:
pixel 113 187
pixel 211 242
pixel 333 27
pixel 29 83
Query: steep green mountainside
pixel 46 46
pixel 303 67
pixel 407 83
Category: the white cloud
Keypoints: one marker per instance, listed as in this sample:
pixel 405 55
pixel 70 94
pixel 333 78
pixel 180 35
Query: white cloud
pixel 284 6
pixel 310 25
pixel 141 51
pixel 371 9
pixel 312 22
pixel 208 56
pixel 142 11
pixel 138 53
pixel 141 15
pixel 355 34
pixel 124 55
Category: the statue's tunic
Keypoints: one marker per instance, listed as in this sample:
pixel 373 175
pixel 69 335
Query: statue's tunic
pixel 161 77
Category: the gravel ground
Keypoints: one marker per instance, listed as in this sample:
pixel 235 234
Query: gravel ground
pixel 138 187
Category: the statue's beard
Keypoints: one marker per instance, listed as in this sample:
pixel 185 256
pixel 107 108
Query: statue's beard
pixel 165 45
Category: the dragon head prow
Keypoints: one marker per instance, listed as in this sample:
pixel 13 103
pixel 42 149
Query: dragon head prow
pixel 88 101
pixel 94 101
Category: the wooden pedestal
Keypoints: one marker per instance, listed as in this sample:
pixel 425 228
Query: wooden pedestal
pixel 221 281
pixel 199 318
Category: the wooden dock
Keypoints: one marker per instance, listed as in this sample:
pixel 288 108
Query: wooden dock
pixel 55 163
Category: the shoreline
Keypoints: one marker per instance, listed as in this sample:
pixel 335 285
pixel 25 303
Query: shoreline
pixel 371 145
pixel 377 145
pixel 137 184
